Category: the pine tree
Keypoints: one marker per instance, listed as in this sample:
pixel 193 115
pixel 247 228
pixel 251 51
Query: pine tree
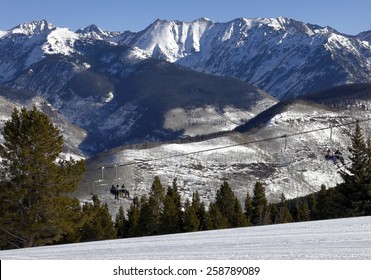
pixel 366 205
pixel 151 209
pixel 283 214
pixel 171 215
pixel 313 206
pixel 121 223
pixel 225 200
pixel 146 223
pixel 133 219
pixel 259 205
pixel 34 183
pixel 215 219
pixel 155 206
pixel 302 211
pixel 199 207
pixel 70 218
pixel 239 218
pixel 328 205
pixel 190 219
pixel 98 223
pixel 248 209
pixel 357 178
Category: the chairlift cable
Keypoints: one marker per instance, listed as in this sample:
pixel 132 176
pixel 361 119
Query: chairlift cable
pixel 141 161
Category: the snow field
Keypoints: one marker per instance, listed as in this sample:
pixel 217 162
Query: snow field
pixel 341 239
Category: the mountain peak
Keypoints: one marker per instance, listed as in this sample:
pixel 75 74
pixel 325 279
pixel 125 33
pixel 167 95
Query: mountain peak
pixel 94 32
pixel 89 29
pixel 32 28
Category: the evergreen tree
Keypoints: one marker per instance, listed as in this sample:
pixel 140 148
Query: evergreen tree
pixel 259 205
pixel 366 202
pixel 225 200
pixel 283 213
pixel 313 206
pixel 269 215
pixel 133 219
pixel 71 219
pixel 248 209
pixel 171 216
pixel 215 219
pixel 302 211
pixel 323 204
pixel 146 220
pixel 34 183
pixel 121 223
pixel 190 219
pixel 199 207
pixel 155 206
pixel 357 177
pixel 98 223
pixel 239 218
pixel 328 205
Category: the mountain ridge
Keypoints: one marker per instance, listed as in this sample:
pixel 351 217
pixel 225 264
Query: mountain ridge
pixel 118 94
pixel 103 73
pixel 282 56
pixel 273 54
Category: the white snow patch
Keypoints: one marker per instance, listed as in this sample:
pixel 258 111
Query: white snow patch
pixel 341 239
pixel 60 41
pixel 3 33
pixel 86 65
pixel 109 97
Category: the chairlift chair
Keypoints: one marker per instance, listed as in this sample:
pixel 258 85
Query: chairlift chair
pixel 100 186
pixel 283 158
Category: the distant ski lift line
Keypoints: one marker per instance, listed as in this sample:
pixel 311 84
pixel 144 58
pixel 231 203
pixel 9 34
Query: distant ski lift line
pixel 140 161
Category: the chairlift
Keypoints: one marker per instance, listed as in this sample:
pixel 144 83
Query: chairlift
pixel 283 159
pixel 328 151
pixel 100 186
pixel 118 184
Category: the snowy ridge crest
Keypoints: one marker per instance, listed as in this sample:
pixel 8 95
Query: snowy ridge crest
pixel 273 54
pixel 33 28
pixel 94 32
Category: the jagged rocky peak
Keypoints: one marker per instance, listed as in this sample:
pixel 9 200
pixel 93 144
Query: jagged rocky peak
pixel 94 32
pixel 163 23
pixel 34 27
pixel 281 23
pixel 89 29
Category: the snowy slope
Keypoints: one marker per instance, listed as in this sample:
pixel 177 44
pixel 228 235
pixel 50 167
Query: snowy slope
pixel 342 239
pixel 242 159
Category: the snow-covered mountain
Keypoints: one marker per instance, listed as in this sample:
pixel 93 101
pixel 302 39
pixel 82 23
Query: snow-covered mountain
pixel 283 56
pixel 116 92
pixel 108 84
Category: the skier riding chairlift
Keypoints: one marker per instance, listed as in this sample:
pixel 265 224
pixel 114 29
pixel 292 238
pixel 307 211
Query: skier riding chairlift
pixel 330 155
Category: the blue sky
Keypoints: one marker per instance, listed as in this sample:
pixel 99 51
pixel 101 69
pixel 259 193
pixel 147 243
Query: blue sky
pixel 347 16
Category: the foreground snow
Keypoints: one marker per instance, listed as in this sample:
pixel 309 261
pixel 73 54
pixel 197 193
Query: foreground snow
pixel 347 239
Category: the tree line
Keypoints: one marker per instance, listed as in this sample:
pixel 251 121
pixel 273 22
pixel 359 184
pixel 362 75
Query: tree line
pixel 163 213
pixel 36 208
